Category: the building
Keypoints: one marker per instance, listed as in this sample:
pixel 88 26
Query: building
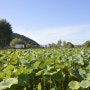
pixel 19 46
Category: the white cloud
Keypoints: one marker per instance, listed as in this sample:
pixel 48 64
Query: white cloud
pixel 76 34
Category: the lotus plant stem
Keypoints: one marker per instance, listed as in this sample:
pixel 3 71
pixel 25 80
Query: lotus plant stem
pixel 44 81
pixel 54 84
pixel 50 82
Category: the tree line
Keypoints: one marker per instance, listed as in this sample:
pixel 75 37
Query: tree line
pixel 7 41
pixel 64 44
pixel 5 33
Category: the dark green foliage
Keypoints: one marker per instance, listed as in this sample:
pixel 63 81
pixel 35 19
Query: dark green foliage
pixel 59 44
pixel 86 44
pixel 69 45
pixel 5 33
pixel 45 69
pixel 53 45
pixel 29 42
pixel 64 42
pixel 16 41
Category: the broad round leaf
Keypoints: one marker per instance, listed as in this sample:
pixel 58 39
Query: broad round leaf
pixel 82 72
pixel 85 83
pixel 8 83
pixel 78 59
pixel 74 85
pixel 88 76
pixel 53 89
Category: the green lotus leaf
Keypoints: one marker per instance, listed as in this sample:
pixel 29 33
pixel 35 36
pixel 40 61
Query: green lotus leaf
pixel 78 59
pixel 39 86
pixel 23 79
pixel 88 76
pixel 74 85
pixel 10 67
pixel 82 72
pixel 53 89
pixel 36 64
pixel 48 67
pixel 8 83
pixel 59 76
pixel 51 71
pixel 88 67
pixel 74 72
pixel 39 73
pixel 85 83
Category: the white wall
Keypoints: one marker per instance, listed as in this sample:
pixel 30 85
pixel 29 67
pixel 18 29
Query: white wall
pixel 19 46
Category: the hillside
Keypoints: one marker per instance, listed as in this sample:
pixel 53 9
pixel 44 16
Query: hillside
pixel 28 41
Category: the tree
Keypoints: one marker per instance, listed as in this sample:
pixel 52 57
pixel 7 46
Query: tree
pixel 64 43
pixel 69 45
pixel 77 46
pixel 16 41
pixel 53 45
pixel 5 33
pixel 49 45
pixel 86 44
pixel 28 45
pixel 59 44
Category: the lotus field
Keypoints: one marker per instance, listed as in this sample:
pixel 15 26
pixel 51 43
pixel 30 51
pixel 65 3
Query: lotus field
pixel 45 69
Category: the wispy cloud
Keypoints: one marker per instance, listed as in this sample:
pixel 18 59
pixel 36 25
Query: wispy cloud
pixel 75 34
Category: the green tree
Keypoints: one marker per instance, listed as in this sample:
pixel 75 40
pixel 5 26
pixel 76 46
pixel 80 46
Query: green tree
pixel 86 44
pixel 53 45
pixel 5 33
pixel 68 45
pixel 49 45
pixel 64 43
pixel 77 46
pixel 28 45
pixel 16 41
pixel 59 44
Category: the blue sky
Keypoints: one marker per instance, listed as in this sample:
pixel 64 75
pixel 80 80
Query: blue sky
pixel 47 21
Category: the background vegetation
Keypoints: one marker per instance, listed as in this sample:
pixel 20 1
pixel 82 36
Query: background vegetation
pixel 45 69
pixel 8 39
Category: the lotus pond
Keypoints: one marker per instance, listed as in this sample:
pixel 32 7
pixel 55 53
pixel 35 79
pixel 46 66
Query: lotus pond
pixel 45 69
